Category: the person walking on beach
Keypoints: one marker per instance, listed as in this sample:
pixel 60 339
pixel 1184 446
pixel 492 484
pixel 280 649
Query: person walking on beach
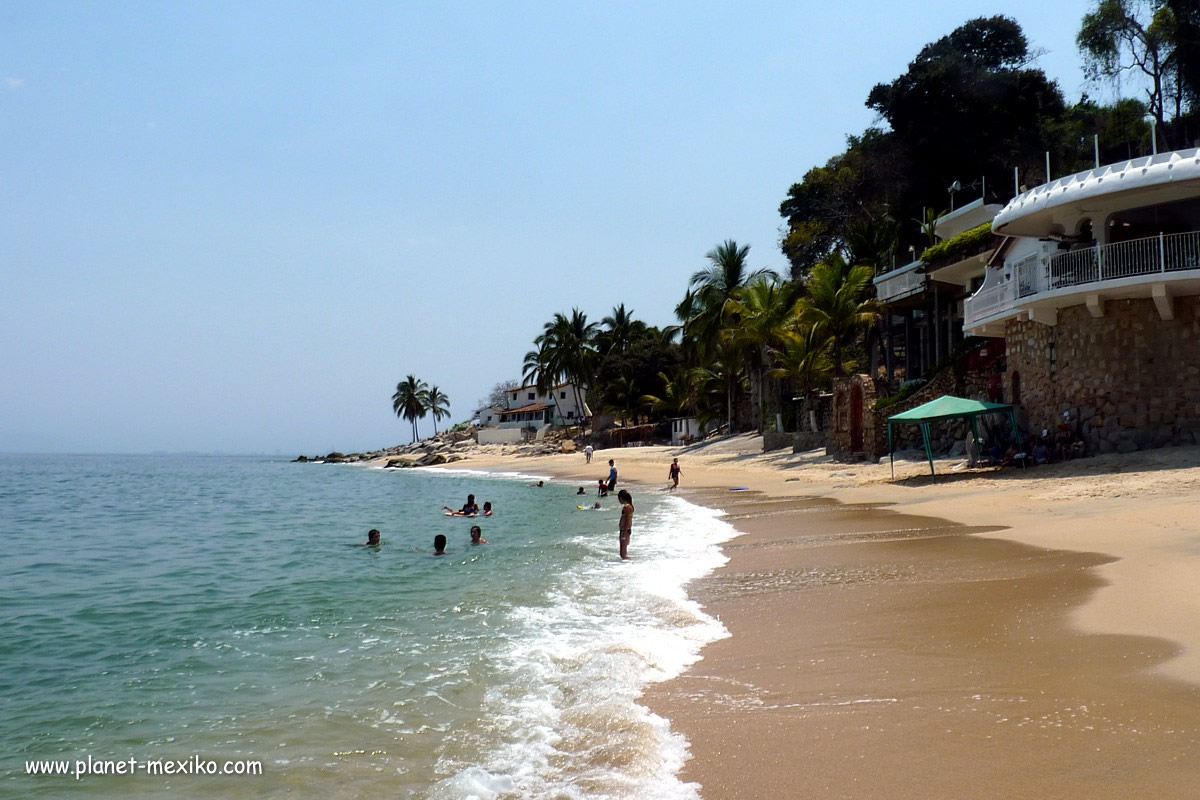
pixel 587 453
pixel 626 525
pixel 612 475
pixel 674 474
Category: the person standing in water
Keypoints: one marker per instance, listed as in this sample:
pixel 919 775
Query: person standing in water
pixel 674 474
pixel 477 535
pixel 372 538
pixel 612 475
pixel 439 544
pixel 626 525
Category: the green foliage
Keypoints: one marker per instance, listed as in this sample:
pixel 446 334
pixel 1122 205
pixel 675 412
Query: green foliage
pixel 1119 36
pixel 959 246
pixel 906 391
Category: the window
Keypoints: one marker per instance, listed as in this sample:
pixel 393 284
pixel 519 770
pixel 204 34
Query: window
pixel 531 395
pixel 570 415
pixel 562 395
pixel 514 397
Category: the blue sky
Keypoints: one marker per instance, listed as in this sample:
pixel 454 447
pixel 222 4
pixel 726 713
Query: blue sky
pixel 235 227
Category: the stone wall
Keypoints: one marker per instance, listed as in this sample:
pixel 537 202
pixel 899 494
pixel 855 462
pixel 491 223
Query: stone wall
pixel 1129 379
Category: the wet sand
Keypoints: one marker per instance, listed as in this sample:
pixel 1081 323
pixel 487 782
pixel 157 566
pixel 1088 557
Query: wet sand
pixel 884 655
pixel 878 650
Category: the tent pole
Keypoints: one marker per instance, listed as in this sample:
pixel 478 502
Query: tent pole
pixel 891 451
pixel 928 446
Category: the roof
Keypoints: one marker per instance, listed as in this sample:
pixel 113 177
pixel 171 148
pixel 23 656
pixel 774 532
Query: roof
pixel 1046 209
pixel 948 406
pixel 534 387
pixel 530 407
pixel 966 217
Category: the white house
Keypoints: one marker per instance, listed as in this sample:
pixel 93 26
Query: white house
pixel 528 407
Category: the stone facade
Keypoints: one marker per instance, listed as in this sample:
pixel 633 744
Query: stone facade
pixel 1129 379
pixel 854 425
pixel 972 375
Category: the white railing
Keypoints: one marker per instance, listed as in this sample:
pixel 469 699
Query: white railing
pixel 889 287
pixel 1163 253
pixel 989 301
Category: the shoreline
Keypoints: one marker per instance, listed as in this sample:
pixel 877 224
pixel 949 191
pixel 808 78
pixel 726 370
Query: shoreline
pixel 1118 559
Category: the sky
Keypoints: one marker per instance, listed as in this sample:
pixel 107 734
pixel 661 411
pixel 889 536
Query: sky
pixel 235 227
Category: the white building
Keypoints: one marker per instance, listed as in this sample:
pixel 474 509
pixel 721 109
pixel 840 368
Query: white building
pixel 529 408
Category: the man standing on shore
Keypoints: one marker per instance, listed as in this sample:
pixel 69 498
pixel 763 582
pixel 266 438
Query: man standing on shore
pixel 674 474
pixel 587 452
pixel 612 475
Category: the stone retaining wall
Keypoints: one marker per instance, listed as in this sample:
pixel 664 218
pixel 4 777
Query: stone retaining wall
pixel 1129 379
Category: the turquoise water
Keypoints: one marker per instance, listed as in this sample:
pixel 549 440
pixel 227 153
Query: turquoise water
pixel 221 608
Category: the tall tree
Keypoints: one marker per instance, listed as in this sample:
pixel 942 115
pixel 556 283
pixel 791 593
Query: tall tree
pixel 437 404
pixel 837 305
pixel 410 401
pixel 566 351
pixel 621 330
pixel 715 292
pixel 1119 37
pixel 759 316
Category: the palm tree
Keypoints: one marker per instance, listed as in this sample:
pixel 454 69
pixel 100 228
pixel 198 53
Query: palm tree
pixel 438 405
pixel 410 401
pixel 714 291
pixel 566 352
pixel 678 397
pixel 837 304
pixel 622 330
pixel 762 311
pixel 805 359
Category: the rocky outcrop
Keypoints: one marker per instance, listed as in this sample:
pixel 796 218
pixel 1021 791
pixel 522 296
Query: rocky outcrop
pixel 446 448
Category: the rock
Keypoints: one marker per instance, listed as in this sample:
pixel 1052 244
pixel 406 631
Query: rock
pixel 335 456
pixel 567 446
pixel 395 463
pixel 300 459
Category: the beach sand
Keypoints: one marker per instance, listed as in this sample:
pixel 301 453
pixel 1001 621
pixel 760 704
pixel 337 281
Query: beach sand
pixel 986 634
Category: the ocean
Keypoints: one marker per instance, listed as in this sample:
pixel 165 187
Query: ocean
pixel 192 613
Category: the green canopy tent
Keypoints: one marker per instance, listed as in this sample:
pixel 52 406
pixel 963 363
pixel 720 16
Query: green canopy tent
pixel 946 407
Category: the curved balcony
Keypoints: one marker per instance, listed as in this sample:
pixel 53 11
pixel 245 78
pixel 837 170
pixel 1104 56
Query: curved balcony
pixel 1156 267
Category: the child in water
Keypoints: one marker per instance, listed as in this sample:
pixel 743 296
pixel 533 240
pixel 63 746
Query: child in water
pixel 477 535
pixel 439 544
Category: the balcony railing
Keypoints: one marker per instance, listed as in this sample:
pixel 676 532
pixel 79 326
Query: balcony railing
pixel 899 284
pixel 988 301
pixel 1163 253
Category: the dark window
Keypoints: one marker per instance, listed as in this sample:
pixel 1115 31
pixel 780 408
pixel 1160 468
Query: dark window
pixel 531 395
pixel 570 415
pixel 562 395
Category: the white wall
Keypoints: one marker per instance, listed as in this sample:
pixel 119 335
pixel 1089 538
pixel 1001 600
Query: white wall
pixel 500 436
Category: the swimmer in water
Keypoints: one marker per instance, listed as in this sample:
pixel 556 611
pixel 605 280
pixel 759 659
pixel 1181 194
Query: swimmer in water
pixel 477 535
pixel 469 509
pixel 439 545
pixel 372 538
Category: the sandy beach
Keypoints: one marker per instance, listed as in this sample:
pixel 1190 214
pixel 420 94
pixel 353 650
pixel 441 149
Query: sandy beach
pixel 1013 633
